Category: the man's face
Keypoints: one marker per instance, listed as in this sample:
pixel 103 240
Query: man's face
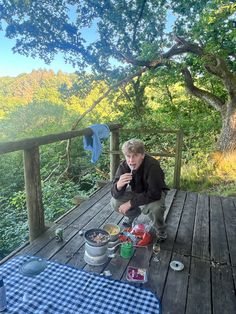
pixel 134 160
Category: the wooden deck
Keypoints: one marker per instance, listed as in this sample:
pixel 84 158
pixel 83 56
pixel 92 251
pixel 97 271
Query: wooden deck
pixel 201 234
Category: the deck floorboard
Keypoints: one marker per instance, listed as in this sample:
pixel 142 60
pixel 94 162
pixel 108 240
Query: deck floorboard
pixel 201 235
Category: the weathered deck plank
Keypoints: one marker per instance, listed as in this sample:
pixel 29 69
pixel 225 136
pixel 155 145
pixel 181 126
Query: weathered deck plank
pixel 157 273
pixel 176 287
pixel 183 243
pixel 223 290
pixel 199 289
pixel 219 246
pixel 201 234
pixel 200 246
pixel 173 220
pixel 230 226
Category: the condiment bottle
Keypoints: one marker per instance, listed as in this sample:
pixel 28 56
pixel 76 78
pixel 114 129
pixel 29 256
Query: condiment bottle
pixel 3 299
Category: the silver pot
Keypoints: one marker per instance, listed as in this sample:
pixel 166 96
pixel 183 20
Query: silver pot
pixel 96 250
pixel 91 234
pixel 95 255
pixel 95 260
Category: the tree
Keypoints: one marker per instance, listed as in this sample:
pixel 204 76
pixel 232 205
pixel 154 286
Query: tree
pixel 135 38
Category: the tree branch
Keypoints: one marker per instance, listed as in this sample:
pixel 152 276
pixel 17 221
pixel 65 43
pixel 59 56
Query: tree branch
pixel 218 67
pixel 180 47
pixel 209 98
pixel 95 103
pixel 138 20
pixel 169 94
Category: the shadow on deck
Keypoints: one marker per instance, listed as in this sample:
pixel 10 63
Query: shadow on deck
pixel 201 234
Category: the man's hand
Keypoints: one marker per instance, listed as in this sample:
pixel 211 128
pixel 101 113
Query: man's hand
pixel 124 207
pixel 124 179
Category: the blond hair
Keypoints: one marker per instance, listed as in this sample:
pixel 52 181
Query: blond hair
pixel 134 146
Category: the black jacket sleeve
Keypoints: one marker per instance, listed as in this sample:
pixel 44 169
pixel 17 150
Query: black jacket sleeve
pixel 123 168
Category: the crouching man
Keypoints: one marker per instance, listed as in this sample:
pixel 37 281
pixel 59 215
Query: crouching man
pixel 139 187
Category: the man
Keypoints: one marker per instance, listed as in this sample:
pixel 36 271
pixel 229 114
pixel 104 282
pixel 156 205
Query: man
pixel 139 186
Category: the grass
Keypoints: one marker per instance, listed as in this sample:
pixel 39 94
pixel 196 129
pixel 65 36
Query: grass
pixel 216 175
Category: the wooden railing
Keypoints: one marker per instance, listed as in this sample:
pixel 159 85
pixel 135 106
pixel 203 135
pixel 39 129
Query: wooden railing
pixel 32 176
pixel 30 148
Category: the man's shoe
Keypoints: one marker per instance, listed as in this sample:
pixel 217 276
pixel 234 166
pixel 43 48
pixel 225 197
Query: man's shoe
pixel 161 237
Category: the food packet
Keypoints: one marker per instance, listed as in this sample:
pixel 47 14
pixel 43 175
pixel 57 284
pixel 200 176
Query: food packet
pixel 136 274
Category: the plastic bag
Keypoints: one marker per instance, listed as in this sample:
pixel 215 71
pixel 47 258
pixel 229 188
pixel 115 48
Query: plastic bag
pixel 137 234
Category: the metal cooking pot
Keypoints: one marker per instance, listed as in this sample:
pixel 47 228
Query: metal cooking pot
pixel 95 250
pixel 90 237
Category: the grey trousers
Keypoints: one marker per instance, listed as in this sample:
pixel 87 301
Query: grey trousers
pixel 155 210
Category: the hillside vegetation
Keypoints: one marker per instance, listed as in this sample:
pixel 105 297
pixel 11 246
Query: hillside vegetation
pixel 44 102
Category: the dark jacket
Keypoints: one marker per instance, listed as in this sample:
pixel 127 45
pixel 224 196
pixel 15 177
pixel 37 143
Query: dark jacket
pixel 148 182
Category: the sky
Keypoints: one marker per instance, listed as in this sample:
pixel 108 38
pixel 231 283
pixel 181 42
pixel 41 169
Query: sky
pixel 14 64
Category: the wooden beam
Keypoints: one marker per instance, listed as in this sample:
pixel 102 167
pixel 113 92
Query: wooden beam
pixel 33 192
pixel 25 144
pixel 114 158
pixel 178 156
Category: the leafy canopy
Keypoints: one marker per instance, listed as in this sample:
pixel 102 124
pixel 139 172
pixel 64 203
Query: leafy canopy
pixel 125 29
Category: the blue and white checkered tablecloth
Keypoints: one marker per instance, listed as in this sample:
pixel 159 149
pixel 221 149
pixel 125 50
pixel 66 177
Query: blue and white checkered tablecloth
pixel 62 289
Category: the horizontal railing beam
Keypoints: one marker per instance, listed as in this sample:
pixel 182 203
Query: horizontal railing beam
pixel 7 147
pixel 119 152
pixel 142 130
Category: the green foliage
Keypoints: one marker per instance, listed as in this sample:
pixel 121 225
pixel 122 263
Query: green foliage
pixel 11 172
pixel 136 38
pixel 13 223
pixel 134 29
pixel 155 100
pixel 38 86
pixel 57 198
pixel 38 118
pixel 200 125
pixel 215 28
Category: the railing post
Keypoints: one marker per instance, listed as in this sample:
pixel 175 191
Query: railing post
pixel 178 156
pixel 114 157
pixel 33 192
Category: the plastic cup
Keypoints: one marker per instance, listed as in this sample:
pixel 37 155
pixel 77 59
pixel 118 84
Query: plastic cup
pixel 127 250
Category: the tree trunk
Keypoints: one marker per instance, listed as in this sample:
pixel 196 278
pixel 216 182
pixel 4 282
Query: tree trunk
pixel 227 138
